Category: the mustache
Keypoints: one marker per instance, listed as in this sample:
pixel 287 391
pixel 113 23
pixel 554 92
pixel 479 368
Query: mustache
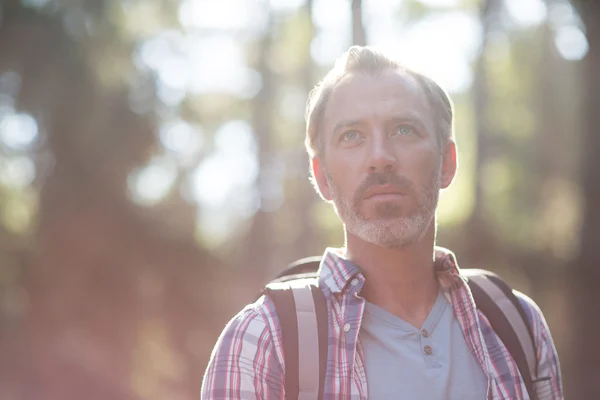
pixel 384 178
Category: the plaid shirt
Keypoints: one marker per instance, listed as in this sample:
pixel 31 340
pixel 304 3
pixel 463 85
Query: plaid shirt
pixel 247 361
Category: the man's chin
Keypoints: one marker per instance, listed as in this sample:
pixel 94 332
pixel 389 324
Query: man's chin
pixel 391 242
pixel 395 233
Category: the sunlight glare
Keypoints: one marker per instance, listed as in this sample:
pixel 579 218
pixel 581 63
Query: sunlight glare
pixel 219 66
pixel 441 46
pixel 333 15
pixel 17 172
pixel 235 138
pixel 220 175
pixel 563 13
pixel 174 72
pixel 211 183
pixel 18 130
pixel 327 46
pixel 150 184
pixel 286 5
pixel 441 3
pixel 526 13
pixel 292 103
pixel 333 21
pixel 169 96
pixel 233 166
pixel 154 51
pixel 222 15
pixel 182 138
pixel 571 43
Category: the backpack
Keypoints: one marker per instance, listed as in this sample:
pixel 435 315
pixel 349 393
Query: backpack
pixel 303 316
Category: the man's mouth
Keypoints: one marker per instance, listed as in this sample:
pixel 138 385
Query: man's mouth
pixel 384 192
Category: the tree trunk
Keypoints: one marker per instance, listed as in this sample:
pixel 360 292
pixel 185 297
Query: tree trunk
pixel 304 195
pixel 476 229
pixel 585 361
pixel 359 36
pixel 259 249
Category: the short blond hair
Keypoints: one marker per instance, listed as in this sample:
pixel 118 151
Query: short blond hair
pixel 366 60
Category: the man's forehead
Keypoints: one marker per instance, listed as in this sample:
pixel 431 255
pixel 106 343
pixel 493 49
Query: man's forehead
pixel 396 76
pixel 390 89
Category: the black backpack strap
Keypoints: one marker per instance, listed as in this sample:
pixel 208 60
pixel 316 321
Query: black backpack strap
pixel 286 312
pixel 308 266
pixel 303 317
pixel 322 311
pixel 502 308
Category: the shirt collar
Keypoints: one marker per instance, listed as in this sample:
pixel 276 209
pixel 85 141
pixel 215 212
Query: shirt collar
pixel 336 272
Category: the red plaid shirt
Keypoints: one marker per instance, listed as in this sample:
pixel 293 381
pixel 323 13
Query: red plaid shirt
pixel 247 361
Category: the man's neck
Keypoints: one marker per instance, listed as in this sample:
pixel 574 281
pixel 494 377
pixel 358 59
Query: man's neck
pixel 401 281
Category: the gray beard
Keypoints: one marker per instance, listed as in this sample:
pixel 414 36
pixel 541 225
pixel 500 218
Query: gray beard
pixel 391 227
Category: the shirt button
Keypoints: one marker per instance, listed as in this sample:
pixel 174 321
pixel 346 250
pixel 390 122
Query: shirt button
pixel 354 282
pixel 424 333
pixel 347 328
pixel 428 350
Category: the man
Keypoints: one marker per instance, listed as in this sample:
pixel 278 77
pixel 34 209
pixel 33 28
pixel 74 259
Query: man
pixel 402 323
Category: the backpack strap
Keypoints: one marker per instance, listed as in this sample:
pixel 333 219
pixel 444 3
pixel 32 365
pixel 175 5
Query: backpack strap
pixel 303 317
pixel 505 313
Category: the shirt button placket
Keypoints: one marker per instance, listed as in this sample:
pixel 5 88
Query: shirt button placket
pixel 427 348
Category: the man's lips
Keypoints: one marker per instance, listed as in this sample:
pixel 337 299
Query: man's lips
pixel 384 192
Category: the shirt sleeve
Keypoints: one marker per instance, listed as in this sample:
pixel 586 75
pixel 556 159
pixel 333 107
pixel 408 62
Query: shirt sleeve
pixel 244 363
pixel 548 385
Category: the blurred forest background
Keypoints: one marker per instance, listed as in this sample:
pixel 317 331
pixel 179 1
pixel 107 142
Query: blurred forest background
pixel 153 175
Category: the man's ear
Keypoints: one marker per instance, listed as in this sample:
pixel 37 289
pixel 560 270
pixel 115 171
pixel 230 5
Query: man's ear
pixel 319 179
pixel 449 163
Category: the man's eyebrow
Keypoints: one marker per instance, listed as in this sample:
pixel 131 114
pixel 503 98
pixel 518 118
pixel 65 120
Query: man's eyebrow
pixel 345 123
pixel 413 119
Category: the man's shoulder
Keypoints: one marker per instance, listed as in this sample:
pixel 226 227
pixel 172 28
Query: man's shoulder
pixel 257 316
pixel 532 310
pixel 537 321
pixel 254 329
pixel 548 365
pixel 247 357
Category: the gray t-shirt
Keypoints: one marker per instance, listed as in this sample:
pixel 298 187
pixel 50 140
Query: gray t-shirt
pixel 403 362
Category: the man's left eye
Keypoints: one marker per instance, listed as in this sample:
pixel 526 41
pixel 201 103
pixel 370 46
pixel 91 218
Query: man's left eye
pixel 403 130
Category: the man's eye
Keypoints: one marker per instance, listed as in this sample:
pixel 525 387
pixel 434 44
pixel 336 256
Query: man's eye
pixel 403 130
pixel 350 136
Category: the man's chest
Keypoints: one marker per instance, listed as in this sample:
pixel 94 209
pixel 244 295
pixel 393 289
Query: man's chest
pixel 372 358
pixel 433 361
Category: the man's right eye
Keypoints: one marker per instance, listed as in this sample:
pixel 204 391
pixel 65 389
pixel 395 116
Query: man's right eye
pixel 350 136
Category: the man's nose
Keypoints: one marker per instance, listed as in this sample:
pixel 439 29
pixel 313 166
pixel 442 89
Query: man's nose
pixel 381 155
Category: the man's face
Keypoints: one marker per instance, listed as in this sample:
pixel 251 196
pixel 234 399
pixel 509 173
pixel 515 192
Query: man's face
pixel 381 163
